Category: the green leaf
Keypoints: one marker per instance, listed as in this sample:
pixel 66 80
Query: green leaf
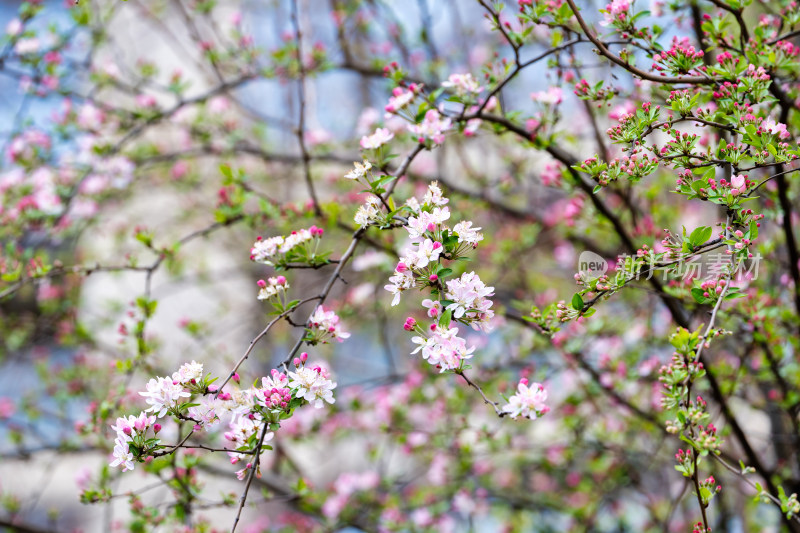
pixel 700 235
pixel 699 296
pixel 444 320
pixel 577 302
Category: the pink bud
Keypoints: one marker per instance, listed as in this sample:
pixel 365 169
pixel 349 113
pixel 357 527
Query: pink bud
pixel 156 428
pixel 296 361
pixel 523 381
pixel 304 357
pixel 401 267
pixel 262 283
pixel 235 377
pixel 433 278
pixel 213 388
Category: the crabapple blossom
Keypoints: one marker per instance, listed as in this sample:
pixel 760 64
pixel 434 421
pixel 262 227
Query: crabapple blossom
pixel 463 84
pixel 528 401
pixel 775 128
pixel 616 10
pixel 369 212
pixel 122 455
pixel 428 252
pixel 401 98
pixel 399 282
pixel 324 324
pixel 443 348
pixel 313 385
pixel 470 299
pixel 163 394
pixel 189 373
pixel 273 287
pixel 434 195
pixel 359 170
pixel 553 96
pixel 431 128
pixel 264 251
pixel 466 233
pixel 376 140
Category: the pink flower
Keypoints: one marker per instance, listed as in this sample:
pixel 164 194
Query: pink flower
pixel 775 128
pixel 553 96
pixel 527 401
pixel 431 128
pixel 617 10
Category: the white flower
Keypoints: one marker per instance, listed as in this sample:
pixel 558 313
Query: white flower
pixel 413 204
pixel 274 286
pixel 264 251
pixel 470 299
pixel 444 348
pixel 27 46
pixel 368 213
pixel 466 233
pixel 464 84
pixel 207 413
pixel 241 430
pixel 326 322
pixel 417 226
pixel 398 283
pixel 377 139
pixel 434 195
pixel 163 394
pixel 14 27
pixel 400 98
pixel 189 372
pixel 527 401
pixel 122 455
pixel 312 385
pixel 359 171
pixel 296 238
pixel 428 252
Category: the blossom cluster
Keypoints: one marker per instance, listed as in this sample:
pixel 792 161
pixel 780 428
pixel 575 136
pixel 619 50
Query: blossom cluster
pixel 164 395
pixel 188 396
pixel 528 401
pixel 323 325
pixel 428 230
pixel 299 244
pixel 464 299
